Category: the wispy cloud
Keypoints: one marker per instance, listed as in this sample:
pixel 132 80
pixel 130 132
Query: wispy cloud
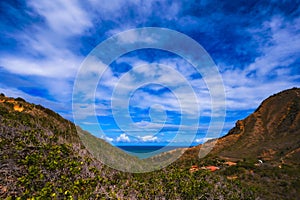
pixel 63 17
pixel 44 48
pixel 255 46
pixel 148 138
pixel 270 72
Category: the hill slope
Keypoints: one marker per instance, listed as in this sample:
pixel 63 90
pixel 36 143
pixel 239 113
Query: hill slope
pixel 272 132
pixel 42 155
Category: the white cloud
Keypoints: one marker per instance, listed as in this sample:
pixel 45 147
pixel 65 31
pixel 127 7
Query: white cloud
pixel 270 72
pixel 63 17
pixel 47 46
pixel 53 67
pixel 183 96
pixel 51 53
pixel 202 140
pixel 148 138
pixel 123 138
pixel 118 11
pixel 244 92
pixel 283 47
pixel 47 49
pixel 83 111
pixel 108 139
pixel 150 126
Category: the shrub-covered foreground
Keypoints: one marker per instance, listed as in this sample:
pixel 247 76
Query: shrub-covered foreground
pixel 41 157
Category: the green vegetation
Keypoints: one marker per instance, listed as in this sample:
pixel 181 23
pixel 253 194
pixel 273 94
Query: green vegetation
pixel 42 157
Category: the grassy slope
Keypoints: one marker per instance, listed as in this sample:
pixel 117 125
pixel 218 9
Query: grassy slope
pixel 41 155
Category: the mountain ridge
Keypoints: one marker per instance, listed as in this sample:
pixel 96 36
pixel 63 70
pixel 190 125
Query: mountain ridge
pixel 276 120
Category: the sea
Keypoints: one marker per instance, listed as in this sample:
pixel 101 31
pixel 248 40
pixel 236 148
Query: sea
pixel 143 152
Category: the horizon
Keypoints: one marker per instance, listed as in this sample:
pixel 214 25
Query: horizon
pixel 255 48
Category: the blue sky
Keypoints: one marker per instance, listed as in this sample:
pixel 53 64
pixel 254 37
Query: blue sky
pixel 254 44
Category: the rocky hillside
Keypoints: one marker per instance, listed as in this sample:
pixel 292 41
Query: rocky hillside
pixel 43 156
pixel 264 148
pixel 271 133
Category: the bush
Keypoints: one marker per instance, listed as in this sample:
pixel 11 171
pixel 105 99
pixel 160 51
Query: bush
pixel 20 99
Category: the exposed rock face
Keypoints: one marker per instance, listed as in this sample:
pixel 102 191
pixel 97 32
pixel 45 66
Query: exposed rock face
pixel 272 132
pixel 238 129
